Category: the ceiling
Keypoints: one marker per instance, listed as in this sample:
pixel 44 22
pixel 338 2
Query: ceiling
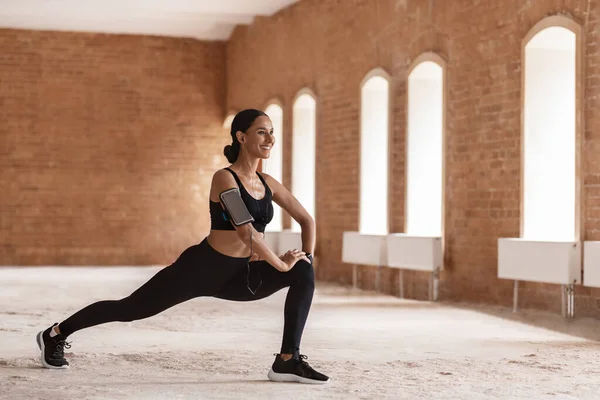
pixel 200 19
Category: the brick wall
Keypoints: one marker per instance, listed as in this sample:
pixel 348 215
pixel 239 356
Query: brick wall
pixel 107 146
pixel 329 46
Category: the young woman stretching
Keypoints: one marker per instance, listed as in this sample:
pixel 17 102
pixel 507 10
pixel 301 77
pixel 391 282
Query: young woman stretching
pixel 222 264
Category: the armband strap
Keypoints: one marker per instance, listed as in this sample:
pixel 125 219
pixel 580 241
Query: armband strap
pixel 235 209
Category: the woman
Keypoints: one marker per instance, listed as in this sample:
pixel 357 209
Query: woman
pixel 232 263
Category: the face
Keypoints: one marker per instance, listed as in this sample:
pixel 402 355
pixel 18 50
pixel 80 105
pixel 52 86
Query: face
pixel 258 139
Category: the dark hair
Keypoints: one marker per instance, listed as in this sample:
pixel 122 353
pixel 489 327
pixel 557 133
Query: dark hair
pixel 241 122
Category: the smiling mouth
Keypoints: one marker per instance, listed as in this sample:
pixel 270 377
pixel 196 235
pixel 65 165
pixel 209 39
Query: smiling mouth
pixel 265 147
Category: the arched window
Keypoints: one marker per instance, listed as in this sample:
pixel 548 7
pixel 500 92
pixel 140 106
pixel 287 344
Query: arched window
pixel 303 153
pixel 274 165
pixel 550 131
pixel 425 147
pixel 374 133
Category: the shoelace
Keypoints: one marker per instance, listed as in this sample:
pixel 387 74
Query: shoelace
pixel 61 345
pixel 306 369
pixel 304 363
pixel 302 358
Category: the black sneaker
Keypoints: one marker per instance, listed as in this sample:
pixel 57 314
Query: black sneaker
pixel 53 349
pixel 295 370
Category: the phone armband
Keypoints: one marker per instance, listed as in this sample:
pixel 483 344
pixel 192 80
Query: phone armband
pixel 235 207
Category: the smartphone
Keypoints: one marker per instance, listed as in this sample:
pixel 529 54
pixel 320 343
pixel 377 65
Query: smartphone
pixel 235 207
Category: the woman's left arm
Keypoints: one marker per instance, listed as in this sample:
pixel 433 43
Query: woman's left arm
pixel 289 203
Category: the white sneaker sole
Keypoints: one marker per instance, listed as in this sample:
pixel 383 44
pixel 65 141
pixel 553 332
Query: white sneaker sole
pixel 40 343
pixel 277 377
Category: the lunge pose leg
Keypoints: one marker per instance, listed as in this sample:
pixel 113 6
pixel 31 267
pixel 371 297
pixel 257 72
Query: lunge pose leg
pixel 233 262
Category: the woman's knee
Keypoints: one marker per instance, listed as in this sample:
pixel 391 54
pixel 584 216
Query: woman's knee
pixel 304 271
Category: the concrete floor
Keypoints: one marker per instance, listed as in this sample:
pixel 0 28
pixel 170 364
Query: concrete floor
pixel 372 346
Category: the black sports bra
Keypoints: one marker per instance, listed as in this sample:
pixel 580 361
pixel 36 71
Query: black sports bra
pixel 261 210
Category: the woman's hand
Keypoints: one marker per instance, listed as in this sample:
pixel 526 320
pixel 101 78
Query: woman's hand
pixel 292 257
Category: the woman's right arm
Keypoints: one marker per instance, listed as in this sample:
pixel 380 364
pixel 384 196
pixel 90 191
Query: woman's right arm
pixel 222 181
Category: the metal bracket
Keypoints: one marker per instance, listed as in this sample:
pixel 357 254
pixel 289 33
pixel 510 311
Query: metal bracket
pixel 516 296
pixel 434 284
pixel 401 283
pixel 568 301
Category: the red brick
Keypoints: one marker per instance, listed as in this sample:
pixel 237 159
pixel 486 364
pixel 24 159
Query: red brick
pixel 330 45
pixel 107 146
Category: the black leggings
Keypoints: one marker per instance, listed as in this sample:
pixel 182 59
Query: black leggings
pixel 202 271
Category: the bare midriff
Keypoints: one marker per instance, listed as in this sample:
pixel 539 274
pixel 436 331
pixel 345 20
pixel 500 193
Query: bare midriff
pixel 228 243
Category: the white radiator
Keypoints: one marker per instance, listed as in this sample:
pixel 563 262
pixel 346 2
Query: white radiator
pixel 420 253
pixel 363 249
pixel 591 264
pixel 539 261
